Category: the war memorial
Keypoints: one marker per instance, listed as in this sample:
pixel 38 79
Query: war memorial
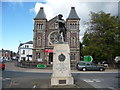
pixel 57 42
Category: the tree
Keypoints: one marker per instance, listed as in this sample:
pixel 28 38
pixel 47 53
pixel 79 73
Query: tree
pixel 102 37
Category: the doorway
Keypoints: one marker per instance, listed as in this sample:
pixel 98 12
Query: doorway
pixel 50 58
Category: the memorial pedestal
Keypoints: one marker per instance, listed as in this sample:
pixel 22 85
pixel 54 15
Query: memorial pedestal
pixel 61 65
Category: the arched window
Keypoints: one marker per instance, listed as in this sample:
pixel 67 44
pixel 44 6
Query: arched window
pixel 40 26
pixel 37 26
pixel 38 55
pixel 39 41
pixel 23 51
pixel 72 56
pixel 74 41
pixel 73 26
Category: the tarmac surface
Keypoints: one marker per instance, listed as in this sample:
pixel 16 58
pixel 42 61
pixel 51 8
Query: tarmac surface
pixel 10 66
pixel 43 82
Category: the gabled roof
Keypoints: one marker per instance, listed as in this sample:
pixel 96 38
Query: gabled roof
pixel 53 19
pixel 29 42
pixel 40 14
pixel 73 14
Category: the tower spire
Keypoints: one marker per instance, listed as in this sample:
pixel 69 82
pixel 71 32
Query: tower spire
pixel 73 14
pixel 40 14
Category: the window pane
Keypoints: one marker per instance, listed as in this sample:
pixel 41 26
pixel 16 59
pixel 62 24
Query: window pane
pixel 23 51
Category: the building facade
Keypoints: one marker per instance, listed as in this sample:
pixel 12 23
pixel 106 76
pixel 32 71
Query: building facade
pixel 7 54
pixel 45 34
pixel 25 51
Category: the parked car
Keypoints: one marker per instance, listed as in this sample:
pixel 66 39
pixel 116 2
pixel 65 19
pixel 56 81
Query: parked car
pixel 117 59
pixel 2 65
pixel 89 66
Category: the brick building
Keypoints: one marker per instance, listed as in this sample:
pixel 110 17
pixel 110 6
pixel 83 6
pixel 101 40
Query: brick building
pixel 7 54
pixel 45 35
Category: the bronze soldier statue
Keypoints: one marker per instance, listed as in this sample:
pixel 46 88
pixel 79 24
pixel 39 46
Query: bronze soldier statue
pixel 62 29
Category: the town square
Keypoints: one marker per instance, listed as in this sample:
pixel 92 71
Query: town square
pixel 52 44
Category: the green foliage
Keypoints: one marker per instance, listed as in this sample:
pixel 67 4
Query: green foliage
pixel 102 37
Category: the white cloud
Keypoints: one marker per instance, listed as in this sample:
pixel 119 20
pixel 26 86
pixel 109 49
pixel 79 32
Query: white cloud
pixel 55 7
pixel 13 0
pixel 59 0
pixel 47 8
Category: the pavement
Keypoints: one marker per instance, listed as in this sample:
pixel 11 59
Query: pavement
pixel 10 66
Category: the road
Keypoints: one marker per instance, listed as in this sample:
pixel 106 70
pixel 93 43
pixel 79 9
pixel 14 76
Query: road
pixel 17 79
pixel 101 80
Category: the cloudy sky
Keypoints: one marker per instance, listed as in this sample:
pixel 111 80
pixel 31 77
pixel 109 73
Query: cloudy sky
pixel 17 17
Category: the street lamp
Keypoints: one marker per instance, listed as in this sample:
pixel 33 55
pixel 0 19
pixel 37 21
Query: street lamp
pixel 2 52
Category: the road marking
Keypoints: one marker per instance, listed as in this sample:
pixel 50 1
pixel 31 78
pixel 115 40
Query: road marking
pixel 88 80
pixel 6 79
pixel 10 84
pixel 34 86
pixel 15 83
pixel 96 80
pixel 91 80
pixel 112 88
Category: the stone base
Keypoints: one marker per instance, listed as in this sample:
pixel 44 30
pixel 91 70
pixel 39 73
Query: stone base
pixel 62 81
pixel 61 65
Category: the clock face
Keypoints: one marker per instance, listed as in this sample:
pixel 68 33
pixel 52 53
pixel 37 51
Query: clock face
pixel 53 37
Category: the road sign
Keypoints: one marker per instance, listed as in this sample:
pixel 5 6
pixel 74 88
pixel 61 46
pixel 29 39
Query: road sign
pixel 41 66
pixel 88 58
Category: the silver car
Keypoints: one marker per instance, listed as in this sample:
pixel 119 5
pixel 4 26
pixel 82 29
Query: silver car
pixel 89 66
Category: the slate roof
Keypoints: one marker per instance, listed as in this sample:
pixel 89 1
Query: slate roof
pixel 29 42
pixel 73 14
pixel 40 14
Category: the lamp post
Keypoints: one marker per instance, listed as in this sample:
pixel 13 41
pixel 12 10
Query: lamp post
pixel 2 52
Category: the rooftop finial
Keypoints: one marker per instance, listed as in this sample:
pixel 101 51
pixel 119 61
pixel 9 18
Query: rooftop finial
pixel 72 7
pixel 41 7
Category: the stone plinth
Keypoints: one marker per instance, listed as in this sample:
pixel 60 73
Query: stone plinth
pixel 61 65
